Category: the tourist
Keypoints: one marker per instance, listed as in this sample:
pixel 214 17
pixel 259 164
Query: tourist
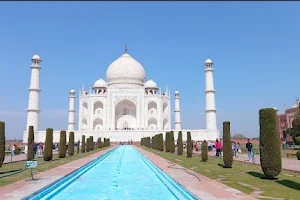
pixel 234 148
pixel 26 149
pixel 218 148
pixel 249 147
pixel 13 148
pixel 239 148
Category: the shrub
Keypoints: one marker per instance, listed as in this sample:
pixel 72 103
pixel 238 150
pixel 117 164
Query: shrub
pixel 297 140
pixel 227 146
pixel 78 146
pixel 92 144
pixel 204 151
pixel 189 145
pixel 83 144
pixel 179 144
pixel 62 145
pixel 30 143
pixel 2 143
pixel 269 139
pixel 71 144
pixel 88 143
pixel 172 143
pixel 48 144
pixel 298 155
pixel 167 142
pixel 18 150
pixel 161 142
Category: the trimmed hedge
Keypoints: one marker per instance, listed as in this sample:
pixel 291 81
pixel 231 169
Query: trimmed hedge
pixel 88 143
pixel 71 144
pixel 2 143
pixel 92 144
pixel 179 144
pixel 227 146
pixel 204 151
pixel 30 143
pixel 167 142
pixel 189 145
pixel 48 145
pixel 83 144
pixel 172 143
pixel 298 155
pixel 269 143
pixel 161 142
pixel 78 146
pixel 62 145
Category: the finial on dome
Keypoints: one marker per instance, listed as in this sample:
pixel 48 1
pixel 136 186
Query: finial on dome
pixel 126 49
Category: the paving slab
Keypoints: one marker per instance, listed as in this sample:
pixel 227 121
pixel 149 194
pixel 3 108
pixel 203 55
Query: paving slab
pixel 201 186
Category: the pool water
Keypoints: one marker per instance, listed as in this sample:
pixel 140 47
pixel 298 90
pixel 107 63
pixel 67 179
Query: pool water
pixel 123 173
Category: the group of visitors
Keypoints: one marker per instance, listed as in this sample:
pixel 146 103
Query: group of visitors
pixel 218 147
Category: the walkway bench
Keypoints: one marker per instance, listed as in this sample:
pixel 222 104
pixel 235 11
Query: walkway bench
pixel 290 155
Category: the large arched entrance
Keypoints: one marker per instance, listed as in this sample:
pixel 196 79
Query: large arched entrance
pixel 125 115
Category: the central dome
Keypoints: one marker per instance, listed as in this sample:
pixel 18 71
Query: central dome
pixel 125 70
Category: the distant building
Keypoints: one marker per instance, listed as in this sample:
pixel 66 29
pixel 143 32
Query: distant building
pixel 286 119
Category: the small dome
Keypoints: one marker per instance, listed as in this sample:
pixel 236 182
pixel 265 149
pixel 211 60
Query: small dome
pixel 150 84
pixel 36 57
pixel 125 70
pixel 100 83
pixel 72 91
pixel 208 61
pixel 176 92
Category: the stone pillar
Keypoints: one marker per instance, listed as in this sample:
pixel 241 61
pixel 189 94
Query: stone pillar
pixel 34 94
pixel 211 122
pixel 177 112
pixel 71 120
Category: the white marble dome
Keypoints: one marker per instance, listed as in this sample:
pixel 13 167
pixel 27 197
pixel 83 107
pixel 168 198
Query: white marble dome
pixel 208 61
pixel 150 84
pixel 72 91
pixel 125 70
pixel 36 57
pixel 100 83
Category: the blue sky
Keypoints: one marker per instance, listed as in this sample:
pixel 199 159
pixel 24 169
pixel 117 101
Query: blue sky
pixel 255 47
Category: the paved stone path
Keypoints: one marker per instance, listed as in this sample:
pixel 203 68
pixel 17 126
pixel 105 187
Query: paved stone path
pixel 289 164
pixel 21 157
pixel 205 189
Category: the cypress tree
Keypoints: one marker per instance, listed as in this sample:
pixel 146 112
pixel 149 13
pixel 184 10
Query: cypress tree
pixel 71 144
pixel 179 144
pixel 62 145
pixel 83 144
pixel 204 151
pixel 30 143
pixel 167 142
pixel 2 143
pixel 227 146
pixel 88 143
pixel 172 143
pixel 269 143
pixel 48 145
pixel 161 143
pixel 92 144
pixel 189 145
pixel 78 146
pixel 100 143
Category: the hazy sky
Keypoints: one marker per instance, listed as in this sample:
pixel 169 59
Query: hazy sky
pixel 255 47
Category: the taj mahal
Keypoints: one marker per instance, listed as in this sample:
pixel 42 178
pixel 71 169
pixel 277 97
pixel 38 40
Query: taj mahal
pixel 124 107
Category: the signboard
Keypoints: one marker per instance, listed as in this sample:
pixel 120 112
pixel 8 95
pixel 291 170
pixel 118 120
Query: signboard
pixel 31 164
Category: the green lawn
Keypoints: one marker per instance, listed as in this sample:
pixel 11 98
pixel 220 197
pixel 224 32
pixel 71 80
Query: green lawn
pixel 42 166
pixel 245 177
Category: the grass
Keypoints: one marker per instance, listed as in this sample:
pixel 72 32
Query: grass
pixel 245 177
pixel 42 166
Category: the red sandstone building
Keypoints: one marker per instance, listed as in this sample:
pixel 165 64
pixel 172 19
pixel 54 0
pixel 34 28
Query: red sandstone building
pixel 286 119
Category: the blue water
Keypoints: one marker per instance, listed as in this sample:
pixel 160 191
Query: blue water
pixel 122 174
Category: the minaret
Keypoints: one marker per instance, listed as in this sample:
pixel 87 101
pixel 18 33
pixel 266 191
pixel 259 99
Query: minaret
pixel 71 120
pixel 211 122
pixel 177 112
pixel 34 94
